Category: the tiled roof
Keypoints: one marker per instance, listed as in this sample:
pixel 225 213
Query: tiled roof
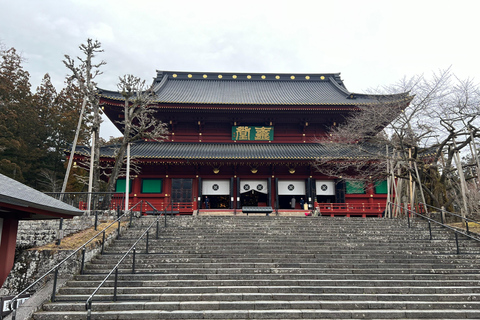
pixel 255 89
pixel 15 193
pixel 239 151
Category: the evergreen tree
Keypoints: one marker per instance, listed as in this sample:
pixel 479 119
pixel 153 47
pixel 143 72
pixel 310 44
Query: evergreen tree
pixel 19 143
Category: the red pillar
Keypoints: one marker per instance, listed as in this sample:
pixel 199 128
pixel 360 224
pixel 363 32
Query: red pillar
pixel 7 247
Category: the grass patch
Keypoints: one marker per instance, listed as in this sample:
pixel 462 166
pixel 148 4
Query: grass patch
pixel 75 240
pixel 472 227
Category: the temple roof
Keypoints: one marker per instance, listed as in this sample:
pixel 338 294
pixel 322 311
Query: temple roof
pixel 172 87
pixel 239 151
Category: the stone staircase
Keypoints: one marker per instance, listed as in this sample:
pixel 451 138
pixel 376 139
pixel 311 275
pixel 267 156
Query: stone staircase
pixel 260 267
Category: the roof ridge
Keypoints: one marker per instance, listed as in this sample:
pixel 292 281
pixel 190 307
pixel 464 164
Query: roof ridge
pixel 338 86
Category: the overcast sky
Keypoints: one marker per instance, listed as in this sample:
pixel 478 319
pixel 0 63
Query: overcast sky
pixel 371 43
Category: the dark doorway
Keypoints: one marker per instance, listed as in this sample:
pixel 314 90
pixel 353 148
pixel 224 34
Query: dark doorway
pixel 253 199
pixel 217 202
pixel 284 202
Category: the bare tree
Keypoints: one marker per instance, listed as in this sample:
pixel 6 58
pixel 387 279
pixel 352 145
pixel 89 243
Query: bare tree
pixel 85 74
pixel 139 121
pixel 49 181
pixel 418 143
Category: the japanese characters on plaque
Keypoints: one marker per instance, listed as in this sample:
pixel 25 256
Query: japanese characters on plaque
pixel 252 133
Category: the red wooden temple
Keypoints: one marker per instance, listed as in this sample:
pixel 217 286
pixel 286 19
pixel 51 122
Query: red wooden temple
pixel 247 139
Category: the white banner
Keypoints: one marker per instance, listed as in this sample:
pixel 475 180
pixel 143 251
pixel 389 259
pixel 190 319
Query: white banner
pixel 216 187
pixel 291 187
pixel 257 185
pixel 325 187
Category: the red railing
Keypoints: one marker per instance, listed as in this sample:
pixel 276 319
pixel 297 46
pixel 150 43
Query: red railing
pixel 352 209
pixel 174 207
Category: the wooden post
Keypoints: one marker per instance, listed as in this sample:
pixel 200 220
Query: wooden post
pixel 474 154
pixel 463 183
pixel 410 185
pixel 90 176
pixel 420 187
pixel 387 206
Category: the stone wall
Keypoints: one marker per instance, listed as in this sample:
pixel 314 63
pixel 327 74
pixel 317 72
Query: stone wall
pixel 35 233
pixel 31 263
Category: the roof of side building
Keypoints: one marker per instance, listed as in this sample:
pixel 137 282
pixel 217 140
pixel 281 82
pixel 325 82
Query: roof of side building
pixel 19 201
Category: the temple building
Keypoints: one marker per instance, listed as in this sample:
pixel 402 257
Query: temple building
pixel 246 139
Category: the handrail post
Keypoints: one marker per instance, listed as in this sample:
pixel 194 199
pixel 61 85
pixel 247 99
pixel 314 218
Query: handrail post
pixel 103 242
pixel 118 216
pixel 131 218
pixel 115 285
pixel 158 224
pixel 430 229
pixel 442 215
pixel 96 219
pixel 13 307
pixel 456 241
pixel 408 218
pixel 146 247
pixel 466 224
pixel 83 261
pixel 55 277
pixel 133 262
pixel 89 310
pixel 165 215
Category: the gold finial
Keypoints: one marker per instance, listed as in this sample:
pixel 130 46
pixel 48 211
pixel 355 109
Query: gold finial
pixel 174 75
pixel 189 75
pixel 234 76
pixel 307 77
pixel 292 77
pixel 205 76
pixel 249 77
pixel 263 77
pixel 322 78
pixel 220 76
pixel 277 77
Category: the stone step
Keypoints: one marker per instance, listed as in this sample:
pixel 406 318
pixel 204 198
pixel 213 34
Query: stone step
pixel 249 296
pixel 279 268
pixel 266 267
pixel 277 282
pixel 453 270
pixel 158 248
pixel 264 314
pixel 474 278
pixel 265 305
pixel 129 291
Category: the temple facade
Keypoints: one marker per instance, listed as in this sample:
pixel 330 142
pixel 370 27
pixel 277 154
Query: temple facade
pixel 247 139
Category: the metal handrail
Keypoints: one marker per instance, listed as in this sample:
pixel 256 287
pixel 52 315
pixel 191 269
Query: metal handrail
pixel 89 301
pixel 13 305
pixel 430 220
pixel 452 214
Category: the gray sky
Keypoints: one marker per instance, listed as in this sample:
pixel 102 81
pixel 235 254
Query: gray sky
pixel 371 43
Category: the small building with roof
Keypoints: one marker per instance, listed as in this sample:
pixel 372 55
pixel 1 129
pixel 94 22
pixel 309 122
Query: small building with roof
pixel 245 139
pixel 20 202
